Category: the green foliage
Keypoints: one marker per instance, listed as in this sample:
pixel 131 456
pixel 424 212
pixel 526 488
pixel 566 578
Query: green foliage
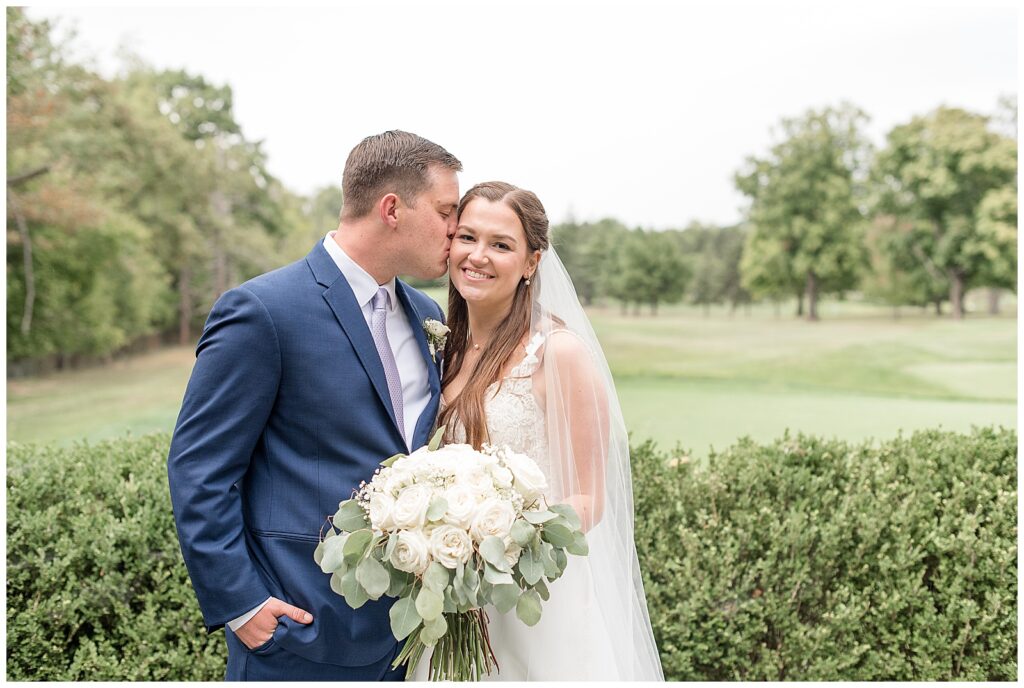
pixel 819 560
pixel 937 171
pixel 649 269
pixel 588 251
pixel 805 208
pixel 802 560
pixel 133 203
pixel 96 586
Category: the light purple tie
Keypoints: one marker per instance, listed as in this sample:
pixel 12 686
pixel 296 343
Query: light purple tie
pixel 378 327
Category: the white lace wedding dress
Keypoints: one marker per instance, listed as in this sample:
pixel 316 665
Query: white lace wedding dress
pixel 571 642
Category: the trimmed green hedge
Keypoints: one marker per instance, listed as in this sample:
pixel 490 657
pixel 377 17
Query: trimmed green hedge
pixel 806 559
pixel 96 586
pixel 820 560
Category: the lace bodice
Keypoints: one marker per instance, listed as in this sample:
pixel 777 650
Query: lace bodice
pixel 514 418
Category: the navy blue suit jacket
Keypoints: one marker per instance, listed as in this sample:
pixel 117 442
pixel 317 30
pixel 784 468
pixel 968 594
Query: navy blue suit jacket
pixel 287 410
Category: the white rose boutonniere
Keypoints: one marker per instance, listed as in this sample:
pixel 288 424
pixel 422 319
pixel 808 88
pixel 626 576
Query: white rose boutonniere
pixel 437 335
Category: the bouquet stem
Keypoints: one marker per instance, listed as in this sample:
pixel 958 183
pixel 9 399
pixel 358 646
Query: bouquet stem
pixel 464 653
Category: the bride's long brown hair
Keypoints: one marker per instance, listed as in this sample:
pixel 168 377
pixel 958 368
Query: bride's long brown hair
pixel 468 407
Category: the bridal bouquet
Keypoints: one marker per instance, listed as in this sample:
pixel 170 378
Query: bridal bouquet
pixel 447 531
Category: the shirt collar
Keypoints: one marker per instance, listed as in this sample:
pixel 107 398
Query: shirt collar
pixel 364 286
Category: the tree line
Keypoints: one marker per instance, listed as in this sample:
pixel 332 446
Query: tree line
pixel 917 222
pixel 133 202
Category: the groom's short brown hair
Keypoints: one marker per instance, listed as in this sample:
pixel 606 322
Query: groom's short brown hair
pixel 393 162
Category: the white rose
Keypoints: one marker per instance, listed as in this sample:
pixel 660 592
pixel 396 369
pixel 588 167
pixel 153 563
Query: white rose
pixel 529 478
pixel 411 552
pixel 494 517
pixel 450 545
pixel 462 503
pixel 410 509
pixel 382 506
pixel 480 482
pixel 502 476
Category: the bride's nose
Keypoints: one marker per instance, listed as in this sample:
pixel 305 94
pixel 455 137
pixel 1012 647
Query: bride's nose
pixel 478 256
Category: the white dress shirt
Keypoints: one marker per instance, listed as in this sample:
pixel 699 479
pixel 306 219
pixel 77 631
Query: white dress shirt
pixel 412 367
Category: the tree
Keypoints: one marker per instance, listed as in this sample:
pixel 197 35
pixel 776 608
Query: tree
pixel 896 275
pixel 587 251
pixel 650 270
pixel 997 242
pixel 805 209
pixel 936 171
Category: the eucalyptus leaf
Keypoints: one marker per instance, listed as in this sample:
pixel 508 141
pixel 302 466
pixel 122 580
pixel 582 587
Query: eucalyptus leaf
pixel 355 594
pixel 435 577
pixel 492 549
pixel 557 535
pixel 547 560
pixel 438 507
pixel 372 576
pixel 459 592
pixel 522 532
pixel 435 441
pixel 567 512
pixel 450 607
pixel 332 554
pixel 561 561
pixel 538 517
pixel 336 583
pixel 404 618
pixel 433 631
pixel 530 566
pixel 460 573
pixel 356 545
pixel 542 589
pixel 504 597
pixel 579 545
pixel 484 590
pixel 471 584
pixel 429 604
pixel 350 517
pixel 496 577
pixel 390 460
pixel 390 546
pixel 399 580
pixel 528 608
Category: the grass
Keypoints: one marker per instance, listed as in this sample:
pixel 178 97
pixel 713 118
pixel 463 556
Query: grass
pixel 682 377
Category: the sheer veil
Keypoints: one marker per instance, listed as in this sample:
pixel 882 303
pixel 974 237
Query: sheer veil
pixel 589 450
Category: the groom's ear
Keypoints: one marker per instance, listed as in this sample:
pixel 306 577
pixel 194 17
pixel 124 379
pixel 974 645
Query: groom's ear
pixel 388 209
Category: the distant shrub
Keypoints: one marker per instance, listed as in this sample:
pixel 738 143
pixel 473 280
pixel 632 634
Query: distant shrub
pixel 807 559
pixel 818 560
pixel 96 586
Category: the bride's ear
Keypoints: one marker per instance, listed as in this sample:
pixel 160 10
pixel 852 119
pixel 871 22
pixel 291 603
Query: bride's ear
pixel 531 264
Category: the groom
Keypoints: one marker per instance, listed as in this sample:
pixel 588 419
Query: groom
pixel 305 379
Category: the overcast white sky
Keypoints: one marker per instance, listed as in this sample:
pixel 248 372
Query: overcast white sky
pixel 638 110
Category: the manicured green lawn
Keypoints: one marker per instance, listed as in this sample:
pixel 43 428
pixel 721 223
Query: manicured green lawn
pixel 681 377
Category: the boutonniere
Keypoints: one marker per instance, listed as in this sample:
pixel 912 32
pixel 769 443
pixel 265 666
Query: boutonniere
pixel 437 335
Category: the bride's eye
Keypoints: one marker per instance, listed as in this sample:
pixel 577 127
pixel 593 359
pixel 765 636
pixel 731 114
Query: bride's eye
pixel 503 247
pixel 466 237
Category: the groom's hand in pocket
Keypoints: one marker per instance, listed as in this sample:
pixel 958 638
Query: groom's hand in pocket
pixel 258 630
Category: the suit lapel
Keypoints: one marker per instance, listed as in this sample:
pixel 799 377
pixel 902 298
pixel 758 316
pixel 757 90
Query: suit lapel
pixel 342 301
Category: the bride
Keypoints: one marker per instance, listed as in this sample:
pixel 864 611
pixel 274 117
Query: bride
pixel 523 368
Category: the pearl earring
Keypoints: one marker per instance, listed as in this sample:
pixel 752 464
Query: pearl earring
pixel 527 281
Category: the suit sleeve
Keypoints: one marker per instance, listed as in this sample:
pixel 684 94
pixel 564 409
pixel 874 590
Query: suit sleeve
pixel 228 400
